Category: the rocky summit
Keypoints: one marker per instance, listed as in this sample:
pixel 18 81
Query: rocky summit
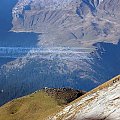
pixel 102 103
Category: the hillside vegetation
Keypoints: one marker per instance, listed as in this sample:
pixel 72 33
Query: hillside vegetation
pixel 50 101
pixel 33 107
pixel 39 105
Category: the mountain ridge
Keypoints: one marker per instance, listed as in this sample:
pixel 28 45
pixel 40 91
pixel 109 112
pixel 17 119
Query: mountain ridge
pixel 74 23
pixel 101 103
pixel 75 27
pixel 92 106
pixel 38 105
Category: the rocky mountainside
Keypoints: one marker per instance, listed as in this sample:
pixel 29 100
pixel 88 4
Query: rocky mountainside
pixel 69 23
pixel 102 103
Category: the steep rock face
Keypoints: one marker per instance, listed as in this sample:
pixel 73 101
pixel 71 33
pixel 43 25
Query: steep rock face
pixel 101 103
pixel 41 13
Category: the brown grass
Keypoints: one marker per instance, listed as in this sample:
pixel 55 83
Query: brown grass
pixel 37 106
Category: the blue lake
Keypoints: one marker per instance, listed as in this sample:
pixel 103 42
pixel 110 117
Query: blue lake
pixel 12 39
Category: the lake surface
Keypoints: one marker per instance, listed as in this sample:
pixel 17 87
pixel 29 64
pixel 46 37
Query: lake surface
pixel 12 39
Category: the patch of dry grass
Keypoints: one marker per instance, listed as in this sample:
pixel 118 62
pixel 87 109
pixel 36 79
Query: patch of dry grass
pixel 40 105
pixel 36 106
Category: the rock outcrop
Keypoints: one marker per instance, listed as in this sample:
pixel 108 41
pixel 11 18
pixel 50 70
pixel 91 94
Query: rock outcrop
pixel 66 95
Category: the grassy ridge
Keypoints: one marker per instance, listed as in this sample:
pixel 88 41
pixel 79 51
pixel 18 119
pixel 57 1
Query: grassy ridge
pixel 39 105
pixel 33 107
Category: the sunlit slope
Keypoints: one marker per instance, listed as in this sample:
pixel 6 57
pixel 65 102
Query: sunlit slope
pixel 39 105
pixel 102 103
pixel 33 107
pixel 70 25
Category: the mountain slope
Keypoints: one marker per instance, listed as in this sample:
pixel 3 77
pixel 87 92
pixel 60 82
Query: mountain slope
pixel 70 28
pixel 102 103
pixel 38 105
pixel 31 107
pixel 68 23
pixel 30 73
